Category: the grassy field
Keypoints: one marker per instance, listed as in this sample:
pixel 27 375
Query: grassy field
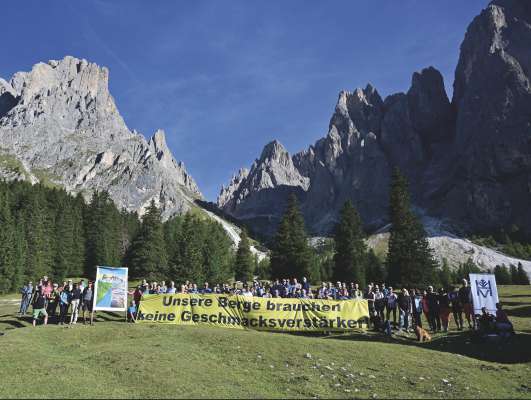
pixel 113 359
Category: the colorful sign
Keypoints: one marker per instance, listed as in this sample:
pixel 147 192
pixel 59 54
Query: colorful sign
pixel 241 312
pixel 110 289
pixel 484 292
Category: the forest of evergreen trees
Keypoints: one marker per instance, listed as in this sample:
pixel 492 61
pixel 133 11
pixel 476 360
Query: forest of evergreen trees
pixel 46 231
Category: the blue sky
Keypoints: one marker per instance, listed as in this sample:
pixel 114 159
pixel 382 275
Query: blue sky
pixel 223 78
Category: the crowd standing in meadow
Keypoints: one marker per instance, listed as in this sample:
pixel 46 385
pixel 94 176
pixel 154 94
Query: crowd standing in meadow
pixel 388 308
pixel 52 300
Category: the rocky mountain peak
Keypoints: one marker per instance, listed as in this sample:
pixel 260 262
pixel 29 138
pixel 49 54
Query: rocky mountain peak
pixel 274 152
pixel 429 106
pixel 63 128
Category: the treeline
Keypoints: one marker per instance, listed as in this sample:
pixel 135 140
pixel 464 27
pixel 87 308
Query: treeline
pixel 409 262
pixel 511 243
pixel 46 231
pixel 347 258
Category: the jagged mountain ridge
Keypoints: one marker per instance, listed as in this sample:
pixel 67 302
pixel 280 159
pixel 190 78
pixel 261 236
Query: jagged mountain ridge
pixel 59 124
pixel 468 160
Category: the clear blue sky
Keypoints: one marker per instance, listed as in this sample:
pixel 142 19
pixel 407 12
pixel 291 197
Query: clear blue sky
pixel 223 78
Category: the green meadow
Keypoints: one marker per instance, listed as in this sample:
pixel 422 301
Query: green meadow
pixel 113 359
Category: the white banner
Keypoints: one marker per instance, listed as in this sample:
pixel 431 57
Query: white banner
pixel 484 292
pixel 110 289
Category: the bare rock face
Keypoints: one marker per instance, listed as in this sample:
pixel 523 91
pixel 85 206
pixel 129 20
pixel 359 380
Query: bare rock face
pixel 491 174
pixel 468 161
pixel 367 137
pixel 60 125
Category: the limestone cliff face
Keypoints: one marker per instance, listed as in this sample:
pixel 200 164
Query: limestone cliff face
pixel 59 124
pixel 468 160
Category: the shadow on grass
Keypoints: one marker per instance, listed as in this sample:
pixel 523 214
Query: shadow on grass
pixel 514 303
pixel 522 312
pixel 12 323
pixel 516 350
pixel 513 295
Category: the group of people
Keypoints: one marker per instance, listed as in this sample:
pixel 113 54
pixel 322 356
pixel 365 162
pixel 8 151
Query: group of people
pixel 401 309
pixel 69 297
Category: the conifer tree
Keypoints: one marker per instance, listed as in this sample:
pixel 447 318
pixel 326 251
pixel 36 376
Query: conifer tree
pixel 102 233
pixel 350 257
pixel 188 261
pixel 218 263
pixel 148 258
pixel 522 277
pixel 8 265
pixel 39 260
pixel 291 255
pixel 514 274
pixel 244 263
pixel 502 274
pixel 410 260
pixel 375 271
pixel 445 274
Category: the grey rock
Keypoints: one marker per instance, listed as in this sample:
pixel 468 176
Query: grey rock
pixel 468 161
pixel 63 128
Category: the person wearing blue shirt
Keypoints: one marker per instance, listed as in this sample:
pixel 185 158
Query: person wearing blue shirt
pixel 305 284
pixel 131 312
pixel 206 289
pixel 27 293
pixel 64 303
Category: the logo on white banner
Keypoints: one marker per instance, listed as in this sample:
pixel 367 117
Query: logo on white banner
pixel 484 288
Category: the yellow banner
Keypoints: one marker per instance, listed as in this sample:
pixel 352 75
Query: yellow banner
pixel 273 314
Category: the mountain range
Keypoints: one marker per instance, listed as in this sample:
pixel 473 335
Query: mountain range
pixel 468 159
pixel 59 125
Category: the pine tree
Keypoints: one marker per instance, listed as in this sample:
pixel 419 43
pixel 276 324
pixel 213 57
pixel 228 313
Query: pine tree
pixel 148 258
pixel 291 255
pixel 187 262
pixel 445 275
pixel 8 265
pixel 218 262
pixel 374 268
pixel 263 268
pixel 522 277
pixel 102 232
pixel 350 249
pixel 39 240
pixel 502 274
pixel 514 274
pixel 410 260
pixel 244 263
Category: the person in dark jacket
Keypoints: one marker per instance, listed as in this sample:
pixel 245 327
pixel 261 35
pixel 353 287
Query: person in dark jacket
pixel 404 307
pixel 433 310
pixel 39 307
pixel 457 307
pixel 64 304
pixel 88 302
pixel 75 299
pixel 465 296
